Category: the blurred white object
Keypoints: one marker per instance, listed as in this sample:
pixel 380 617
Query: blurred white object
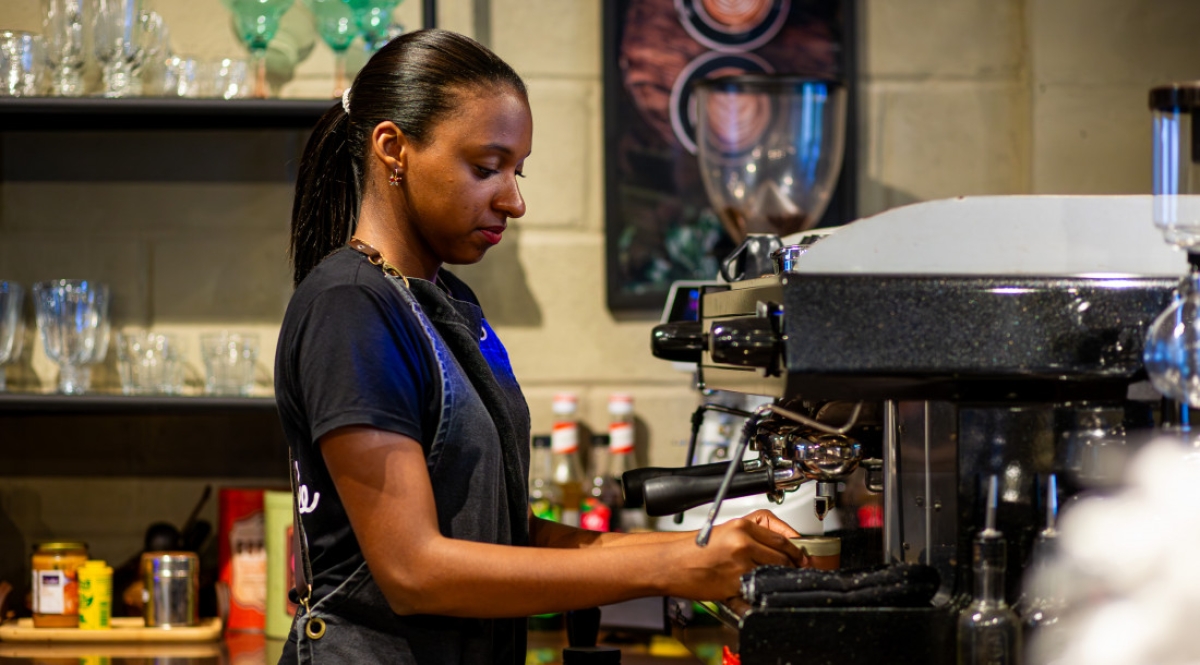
pixel 1126 569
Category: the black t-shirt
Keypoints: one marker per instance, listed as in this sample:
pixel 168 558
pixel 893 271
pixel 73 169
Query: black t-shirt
pixel 352 352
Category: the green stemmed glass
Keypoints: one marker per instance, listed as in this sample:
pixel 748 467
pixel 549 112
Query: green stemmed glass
pixel 335 23
pixel 373 18
pixel 256 22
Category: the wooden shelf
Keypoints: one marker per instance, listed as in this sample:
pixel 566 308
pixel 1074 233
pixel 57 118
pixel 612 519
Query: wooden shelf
pixel 11 403
pixel 154 436
pixel 60 113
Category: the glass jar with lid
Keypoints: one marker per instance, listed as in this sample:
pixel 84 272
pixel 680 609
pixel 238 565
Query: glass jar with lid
pixel 56 583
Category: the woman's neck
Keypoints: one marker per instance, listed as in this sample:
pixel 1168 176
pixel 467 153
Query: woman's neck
pixel 379 229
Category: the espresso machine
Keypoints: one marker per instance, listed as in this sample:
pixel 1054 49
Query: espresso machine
pixel 917 354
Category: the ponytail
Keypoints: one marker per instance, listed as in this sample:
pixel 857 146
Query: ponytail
pixel 325 209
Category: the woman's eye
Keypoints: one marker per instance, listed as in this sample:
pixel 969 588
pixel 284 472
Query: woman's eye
pixel 486 172
pixel 520 174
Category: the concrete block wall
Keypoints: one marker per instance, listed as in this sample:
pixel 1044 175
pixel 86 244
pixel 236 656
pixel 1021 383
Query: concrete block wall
pixel 958 98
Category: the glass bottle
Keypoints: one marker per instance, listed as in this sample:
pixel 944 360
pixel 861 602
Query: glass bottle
pixel 989 632
pixel 621 448
pixel 602 491
pixel 564 443
pixel 545 498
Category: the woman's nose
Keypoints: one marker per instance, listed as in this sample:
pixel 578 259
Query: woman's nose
pixel 510 200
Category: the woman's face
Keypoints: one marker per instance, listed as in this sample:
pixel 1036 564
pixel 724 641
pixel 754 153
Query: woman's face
pixel 462 181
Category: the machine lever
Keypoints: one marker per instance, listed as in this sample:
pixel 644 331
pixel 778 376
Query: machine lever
pixel 672 494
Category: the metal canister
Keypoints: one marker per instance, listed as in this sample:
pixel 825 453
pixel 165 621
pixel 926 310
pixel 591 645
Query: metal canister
pixel 55 583
pixel 172 589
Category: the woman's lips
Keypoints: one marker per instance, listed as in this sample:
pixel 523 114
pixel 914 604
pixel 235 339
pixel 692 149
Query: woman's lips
pixel 492 234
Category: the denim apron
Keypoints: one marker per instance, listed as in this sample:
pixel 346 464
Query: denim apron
pixel 480 400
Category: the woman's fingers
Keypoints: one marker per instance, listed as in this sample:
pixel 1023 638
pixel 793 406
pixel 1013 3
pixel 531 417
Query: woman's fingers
pixel 769 520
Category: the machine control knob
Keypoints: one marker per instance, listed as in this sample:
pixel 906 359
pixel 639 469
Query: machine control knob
pixel 678 341
pixel 749 342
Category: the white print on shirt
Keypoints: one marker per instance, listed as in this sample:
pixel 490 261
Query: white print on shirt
pixel 302 500
pixel 302 504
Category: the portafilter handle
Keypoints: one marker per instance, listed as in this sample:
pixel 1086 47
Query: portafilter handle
pixel 669 494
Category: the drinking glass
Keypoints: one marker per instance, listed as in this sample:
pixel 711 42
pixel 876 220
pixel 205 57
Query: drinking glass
pixel 72 316
pixel 12 326
pixel 149 362
pixel 117 42
pixel 22 64
pixel 229 77
pixel 229 359
pixel 63 33
pixel 335 23
pixel 373 17
pixel 256 22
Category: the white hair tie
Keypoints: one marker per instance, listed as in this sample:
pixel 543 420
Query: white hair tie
pixel 346 101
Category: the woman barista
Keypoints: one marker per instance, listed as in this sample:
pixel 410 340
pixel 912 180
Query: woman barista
pixel 408 432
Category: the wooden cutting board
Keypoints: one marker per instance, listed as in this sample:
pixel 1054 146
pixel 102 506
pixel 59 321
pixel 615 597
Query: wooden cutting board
pixel 124 629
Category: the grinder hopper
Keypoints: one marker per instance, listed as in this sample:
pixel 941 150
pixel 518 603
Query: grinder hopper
pixel 770 149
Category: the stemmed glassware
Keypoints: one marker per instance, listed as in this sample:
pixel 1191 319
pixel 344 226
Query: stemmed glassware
pixel 373 18
pixel 72 316
pixel 12 328
pixel 152 36
pixel 1172 350
pixel 335 23
pixel 117 42
pixel 63 32
pixel 256 22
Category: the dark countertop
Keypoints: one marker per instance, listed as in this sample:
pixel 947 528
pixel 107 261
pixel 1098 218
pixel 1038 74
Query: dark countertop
pixel 545 648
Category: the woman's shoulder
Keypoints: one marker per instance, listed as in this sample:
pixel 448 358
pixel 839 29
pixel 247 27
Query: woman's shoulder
pixel 344 283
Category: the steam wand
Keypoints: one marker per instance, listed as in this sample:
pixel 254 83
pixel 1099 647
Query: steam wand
pixel 748 430
pixel 697 422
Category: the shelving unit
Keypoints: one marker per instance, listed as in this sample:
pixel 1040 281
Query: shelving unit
pixel 110 435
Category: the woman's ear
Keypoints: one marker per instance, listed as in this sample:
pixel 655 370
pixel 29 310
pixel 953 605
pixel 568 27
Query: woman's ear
pixel 390 147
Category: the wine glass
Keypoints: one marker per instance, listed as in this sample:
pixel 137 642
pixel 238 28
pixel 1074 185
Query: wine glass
pixel 72 316
pixel 256 22
pixel 152 36
pixel 335 23
pixel 63 31
pixel 373 18
pixel 12 328
pixel 117 43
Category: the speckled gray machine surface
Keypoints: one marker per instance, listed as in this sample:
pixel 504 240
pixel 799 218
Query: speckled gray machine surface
pixel 933 336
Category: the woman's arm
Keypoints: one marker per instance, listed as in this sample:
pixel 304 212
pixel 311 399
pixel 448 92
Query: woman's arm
pixel 384 486
pixel 544 533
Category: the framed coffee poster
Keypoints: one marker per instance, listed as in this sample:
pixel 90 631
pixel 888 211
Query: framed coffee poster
pixel 660 225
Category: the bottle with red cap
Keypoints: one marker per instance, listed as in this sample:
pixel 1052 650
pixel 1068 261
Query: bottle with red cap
pixel 621 449
pixel 564 444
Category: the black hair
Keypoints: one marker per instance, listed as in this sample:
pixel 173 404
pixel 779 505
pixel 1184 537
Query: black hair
pixel 415 81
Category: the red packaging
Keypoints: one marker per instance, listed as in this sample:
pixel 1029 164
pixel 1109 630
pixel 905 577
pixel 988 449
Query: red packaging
pixel 242 555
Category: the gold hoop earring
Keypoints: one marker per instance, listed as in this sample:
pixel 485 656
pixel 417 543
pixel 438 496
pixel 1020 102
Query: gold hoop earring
pixel 395 178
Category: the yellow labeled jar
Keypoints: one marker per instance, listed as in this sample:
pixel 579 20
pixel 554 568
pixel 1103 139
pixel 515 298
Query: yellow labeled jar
pixel 56 584
pixel 95 595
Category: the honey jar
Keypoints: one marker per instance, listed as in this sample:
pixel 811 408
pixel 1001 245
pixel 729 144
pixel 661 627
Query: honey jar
pixel 56 583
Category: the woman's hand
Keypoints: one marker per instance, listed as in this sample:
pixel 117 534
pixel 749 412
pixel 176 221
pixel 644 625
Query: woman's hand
pixel 735 548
